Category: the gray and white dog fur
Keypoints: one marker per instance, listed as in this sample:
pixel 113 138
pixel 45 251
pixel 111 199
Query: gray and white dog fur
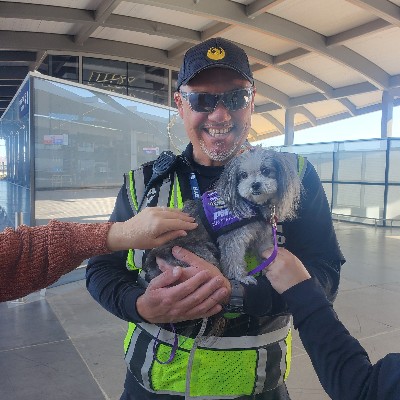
pixel 259 176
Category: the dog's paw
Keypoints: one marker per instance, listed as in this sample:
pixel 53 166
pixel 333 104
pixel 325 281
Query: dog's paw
pixel 248 280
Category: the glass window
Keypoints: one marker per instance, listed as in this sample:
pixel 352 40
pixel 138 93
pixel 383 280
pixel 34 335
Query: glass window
pixel 323 164
pixel 393 204
pixel 60 66
pixel 44 66
pixel 3 159
pixel 105 74
pixel 148 83
pixel 394 164
pixel 174 78
pixel 89 139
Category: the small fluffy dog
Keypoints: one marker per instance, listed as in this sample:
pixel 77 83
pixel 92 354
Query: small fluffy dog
pixel 235 219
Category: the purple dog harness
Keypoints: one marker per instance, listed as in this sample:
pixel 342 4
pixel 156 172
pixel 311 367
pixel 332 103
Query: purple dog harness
pixel 218 219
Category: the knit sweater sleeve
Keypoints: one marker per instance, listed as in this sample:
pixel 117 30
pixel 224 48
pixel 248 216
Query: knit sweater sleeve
pixel 32 258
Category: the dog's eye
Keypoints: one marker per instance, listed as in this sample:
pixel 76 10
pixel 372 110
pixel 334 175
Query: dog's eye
pixel 265 171
pixel 243 175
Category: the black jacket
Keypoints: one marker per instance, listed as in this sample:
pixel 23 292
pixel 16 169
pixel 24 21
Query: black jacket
pixel 310 237
pixel 341 363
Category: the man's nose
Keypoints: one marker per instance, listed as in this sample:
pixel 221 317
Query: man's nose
pixel 221 113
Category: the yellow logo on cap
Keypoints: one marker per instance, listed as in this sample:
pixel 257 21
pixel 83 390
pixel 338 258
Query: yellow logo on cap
pixel 216 53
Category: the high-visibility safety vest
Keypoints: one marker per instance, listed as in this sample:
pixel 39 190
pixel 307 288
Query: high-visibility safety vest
pixel 206 367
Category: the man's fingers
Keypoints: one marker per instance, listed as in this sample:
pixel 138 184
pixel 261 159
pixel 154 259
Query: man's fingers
pixel 191 284
pixel 193 288
pixel 204 302
pixel 167 278
pixel 185 255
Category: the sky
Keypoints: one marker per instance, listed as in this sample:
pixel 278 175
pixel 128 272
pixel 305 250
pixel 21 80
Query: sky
pixel 366 126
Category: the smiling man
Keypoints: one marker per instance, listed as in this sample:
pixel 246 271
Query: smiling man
pixel 168 350
pixel 216 132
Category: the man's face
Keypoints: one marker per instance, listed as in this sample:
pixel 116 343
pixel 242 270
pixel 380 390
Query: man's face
pixel 217 135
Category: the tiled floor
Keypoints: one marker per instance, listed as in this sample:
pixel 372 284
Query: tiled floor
pixel 66 347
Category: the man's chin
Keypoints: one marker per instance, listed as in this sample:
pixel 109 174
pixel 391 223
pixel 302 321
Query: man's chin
pixel 219 154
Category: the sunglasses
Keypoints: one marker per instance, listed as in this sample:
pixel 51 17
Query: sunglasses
pixel 207 102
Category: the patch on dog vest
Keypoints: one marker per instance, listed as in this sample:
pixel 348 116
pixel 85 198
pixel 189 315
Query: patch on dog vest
pixel 217 218
pixel 217 214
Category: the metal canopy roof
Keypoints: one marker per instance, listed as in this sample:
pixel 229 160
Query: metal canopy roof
pixel 314 61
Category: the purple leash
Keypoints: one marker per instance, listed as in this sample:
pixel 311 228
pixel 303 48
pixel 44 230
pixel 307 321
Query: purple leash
pixel 173 350
pixel 271 258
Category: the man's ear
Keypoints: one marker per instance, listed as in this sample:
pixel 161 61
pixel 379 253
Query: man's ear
pixel 178 102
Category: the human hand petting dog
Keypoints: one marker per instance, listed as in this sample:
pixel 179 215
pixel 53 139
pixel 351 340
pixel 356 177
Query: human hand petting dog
pixel 183 294
pixel 285 271
pixel 151 227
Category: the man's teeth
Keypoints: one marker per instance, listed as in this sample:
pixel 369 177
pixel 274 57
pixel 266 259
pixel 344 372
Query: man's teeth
pixel 215 132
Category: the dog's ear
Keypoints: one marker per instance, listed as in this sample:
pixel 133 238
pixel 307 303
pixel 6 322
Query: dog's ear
pixel 227 182
pixel 289 185
pixel 227 188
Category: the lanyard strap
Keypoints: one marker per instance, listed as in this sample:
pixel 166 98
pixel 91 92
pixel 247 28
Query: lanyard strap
pixel 194 185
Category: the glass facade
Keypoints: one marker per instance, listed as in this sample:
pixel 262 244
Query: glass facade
pixel 81 141
pixel 86 140
pixel 174 79
pixel 145 82
pixel 15 130
pixel 135 80
pixel 105 74
pixel 76 142
pixel 148 83
pixel 15 193
pixel 60 66
pixel 3 159
pixel 361 178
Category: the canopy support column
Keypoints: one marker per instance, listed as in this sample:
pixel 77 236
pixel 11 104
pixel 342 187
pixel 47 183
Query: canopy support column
pixel 289 126
pixel 387 114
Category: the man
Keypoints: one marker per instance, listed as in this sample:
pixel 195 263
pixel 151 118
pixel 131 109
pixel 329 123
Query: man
pixel 341 363
pixel 215 99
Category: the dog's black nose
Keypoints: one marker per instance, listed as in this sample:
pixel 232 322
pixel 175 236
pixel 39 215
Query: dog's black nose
pixel 255 186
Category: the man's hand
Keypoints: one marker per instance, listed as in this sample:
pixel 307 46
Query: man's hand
pixel 182 294
pixel 285 271
pixel 196 264
pixel 152 227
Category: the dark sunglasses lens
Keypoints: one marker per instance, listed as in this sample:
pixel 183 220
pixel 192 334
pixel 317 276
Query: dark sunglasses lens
pixel 236 100
pixel 207 102
pixel 203 102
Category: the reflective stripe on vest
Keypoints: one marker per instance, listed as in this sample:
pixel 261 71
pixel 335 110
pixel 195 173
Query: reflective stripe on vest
pixel 301 166
pixel 167 196
pixel 135 189
pixel 235 366
pixel 223 367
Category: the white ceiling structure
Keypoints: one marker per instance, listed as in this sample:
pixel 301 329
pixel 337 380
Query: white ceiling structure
pixel 314 61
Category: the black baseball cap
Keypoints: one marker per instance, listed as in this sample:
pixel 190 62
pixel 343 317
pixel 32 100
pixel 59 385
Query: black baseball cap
pixel 214 52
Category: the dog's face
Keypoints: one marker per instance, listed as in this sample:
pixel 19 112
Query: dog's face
pixel 256 179
pixel 262 177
